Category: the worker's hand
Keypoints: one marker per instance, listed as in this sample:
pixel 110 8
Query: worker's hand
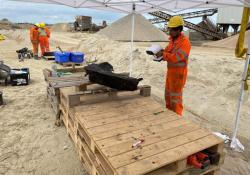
pixel 159 54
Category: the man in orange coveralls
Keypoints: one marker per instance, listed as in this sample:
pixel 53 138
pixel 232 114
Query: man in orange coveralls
pixel 34 38
pixel 44 35
pixel 176 54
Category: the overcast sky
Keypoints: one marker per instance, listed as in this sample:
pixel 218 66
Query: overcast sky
pixel 31 12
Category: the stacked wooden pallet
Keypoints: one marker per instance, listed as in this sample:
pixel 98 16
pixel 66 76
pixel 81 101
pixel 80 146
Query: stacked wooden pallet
pixel 76 80
pixel 70 64
pixel 105 126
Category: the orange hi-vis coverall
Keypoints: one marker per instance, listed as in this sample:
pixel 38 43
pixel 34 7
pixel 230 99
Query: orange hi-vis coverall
pixel 34 38
pixel 176 54
pixel 44 35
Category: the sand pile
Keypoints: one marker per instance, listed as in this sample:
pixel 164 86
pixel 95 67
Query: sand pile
pixel 60 27
pixel 17 38
pixel 144 30
pixel 118 54
pixel 7 25
pixel 229 42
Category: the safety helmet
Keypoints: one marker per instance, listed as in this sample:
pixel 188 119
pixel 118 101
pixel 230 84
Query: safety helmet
pixel 37 24
pixel 175 21
pixel 42 25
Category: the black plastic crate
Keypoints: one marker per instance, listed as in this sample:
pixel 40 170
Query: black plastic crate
pixel 19 76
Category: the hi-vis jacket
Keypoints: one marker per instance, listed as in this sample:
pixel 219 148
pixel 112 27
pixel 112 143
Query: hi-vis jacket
pixel 176 54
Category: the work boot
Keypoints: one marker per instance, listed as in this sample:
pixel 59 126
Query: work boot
pixel 36 57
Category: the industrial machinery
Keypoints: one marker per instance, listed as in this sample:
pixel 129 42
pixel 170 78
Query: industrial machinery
pixel 211 31
pixel 82 23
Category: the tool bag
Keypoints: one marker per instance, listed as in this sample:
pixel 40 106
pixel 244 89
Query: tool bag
pixel 103 74
pixel 19 76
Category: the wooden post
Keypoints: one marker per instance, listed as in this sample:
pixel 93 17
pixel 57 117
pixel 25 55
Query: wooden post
pixel 145 91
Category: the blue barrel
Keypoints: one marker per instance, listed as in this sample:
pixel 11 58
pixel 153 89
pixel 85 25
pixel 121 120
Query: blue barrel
pixel 62 57
pixel 77 57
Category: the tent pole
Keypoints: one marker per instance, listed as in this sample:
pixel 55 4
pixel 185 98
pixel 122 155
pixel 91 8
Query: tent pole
pixel 132 40
pixel 234 141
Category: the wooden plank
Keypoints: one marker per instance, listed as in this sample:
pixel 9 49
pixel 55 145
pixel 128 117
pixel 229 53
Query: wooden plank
pixel 156 148
pixel 46 73
pixel 153 127
pixel 72 64
pixel 132 119
pixel 130 125
pixel 75 70
pixel 109 106
pixel 126 145
pixel 91 99
pixel 159 160
pixel 117 116
pixel 142 133
pixel 211 170
pixel 67 84
pixel 95 168
pixel 166 170
pixel 106 166
pixel 49 58
pixel 104 97
pixel 68 78
pixel 98 115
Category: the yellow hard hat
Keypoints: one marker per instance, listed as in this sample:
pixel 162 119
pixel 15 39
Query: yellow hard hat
pixel 175 21
pixel 37 25
pixel 42 25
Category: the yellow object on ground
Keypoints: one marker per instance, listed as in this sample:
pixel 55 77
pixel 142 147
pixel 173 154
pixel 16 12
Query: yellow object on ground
pixel 240 51
pixel 2 37
pixel 42 25
pixel 175 21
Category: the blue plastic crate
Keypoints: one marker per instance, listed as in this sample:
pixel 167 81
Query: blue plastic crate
pixel 77 57
pixel 62 57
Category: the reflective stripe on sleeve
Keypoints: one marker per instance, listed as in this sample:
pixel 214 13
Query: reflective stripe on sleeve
pixel 175 101
pixel 178 57
pixel 174 94
pixel 180 64
pixel 185 56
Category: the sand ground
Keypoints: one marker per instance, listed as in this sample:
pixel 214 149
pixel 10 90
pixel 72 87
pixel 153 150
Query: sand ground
pixel 31 144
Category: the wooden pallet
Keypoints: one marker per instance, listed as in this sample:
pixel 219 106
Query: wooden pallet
pixel 54 100
pixel 49 58
pixel 76 80
pixel 103 129
pixel 69 64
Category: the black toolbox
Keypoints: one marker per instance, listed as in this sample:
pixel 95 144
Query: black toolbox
pixel 19 76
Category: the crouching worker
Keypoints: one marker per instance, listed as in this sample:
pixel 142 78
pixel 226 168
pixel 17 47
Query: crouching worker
pixel 176 54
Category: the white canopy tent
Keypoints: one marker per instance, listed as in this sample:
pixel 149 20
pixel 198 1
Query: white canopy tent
pixel 144 6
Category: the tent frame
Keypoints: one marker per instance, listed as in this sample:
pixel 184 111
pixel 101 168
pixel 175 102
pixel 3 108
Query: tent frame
pixel 235 144
pixel 132 39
